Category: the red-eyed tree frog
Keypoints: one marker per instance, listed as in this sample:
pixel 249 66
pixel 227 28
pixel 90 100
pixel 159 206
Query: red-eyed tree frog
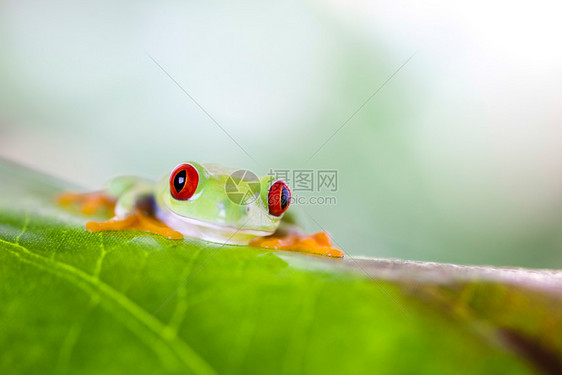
pixel 203 201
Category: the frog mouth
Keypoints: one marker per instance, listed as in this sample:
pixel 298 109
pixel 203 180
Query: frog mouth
pixel 226 235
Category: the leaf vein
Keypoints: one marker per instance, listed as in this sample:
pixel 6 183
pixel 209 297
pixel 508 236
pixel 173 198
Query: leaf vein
pixel 90 284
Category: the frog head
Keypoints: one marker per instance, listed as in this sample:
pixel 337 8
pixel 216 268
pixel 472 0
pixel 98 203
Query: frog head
pixel 220 204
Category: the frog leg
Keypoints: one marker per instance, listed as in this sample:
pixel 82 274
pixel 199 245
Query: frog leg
pixel 317 243
pixel 105 200
pixel 135 221
pixel 130 198
pixel 134 212
pixel 88 203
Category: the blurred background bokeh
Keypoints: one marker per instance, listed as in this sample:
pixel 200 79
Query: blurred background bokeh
pixel 457 158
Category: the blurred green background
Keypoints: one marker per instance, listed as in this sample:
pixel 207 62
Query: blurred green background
pixel 456 159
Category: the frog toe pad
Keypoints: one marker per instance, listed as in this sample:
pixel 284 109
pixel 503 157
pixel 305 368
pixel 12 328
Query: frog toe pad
pixel 318 243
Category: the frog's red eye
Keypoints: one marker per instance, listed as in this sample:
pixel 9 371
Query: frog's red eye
pixel 278 198
pixel 183 181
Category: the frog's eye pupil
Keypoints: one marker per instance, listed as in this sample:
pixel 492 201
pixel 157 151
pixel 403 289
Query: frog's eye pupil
pixel 183 181
pixel 279 198
pixel 285 197
pixel 179 181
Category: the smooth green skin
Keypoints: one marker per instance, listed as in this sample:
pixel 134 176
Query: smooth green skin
pixel 210 202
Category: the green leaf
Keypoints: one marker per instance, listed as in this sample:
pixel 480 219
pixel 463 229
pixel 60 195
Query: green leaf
pixel 117 302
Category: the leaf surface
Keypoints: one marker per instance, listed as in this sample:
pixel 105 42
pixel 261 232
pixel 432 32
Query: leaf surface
pixel 118 302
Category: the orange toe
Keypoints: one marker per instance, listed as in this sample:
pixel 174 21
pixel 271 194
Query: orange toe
pixel 318 243
pixel 149 224
pixel 112 224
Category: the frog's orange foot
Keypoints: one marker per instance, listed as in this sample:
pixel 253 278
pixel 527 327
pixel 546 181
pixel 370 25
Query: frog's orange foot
pixel 88 203
pixel 137 221
pixel 318 243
